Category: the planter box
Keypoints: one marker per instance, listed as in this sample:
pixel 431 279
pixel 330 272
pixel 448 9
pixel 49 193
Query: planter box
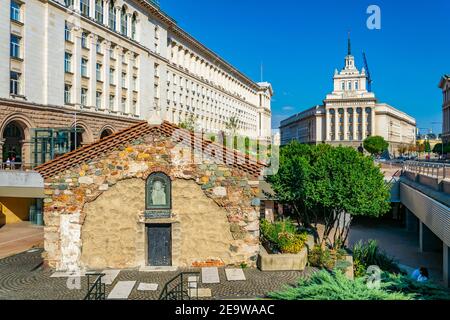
pixel 282 262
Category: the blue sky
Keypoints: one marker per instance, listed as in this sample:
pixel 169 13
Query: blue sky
pixel 301 43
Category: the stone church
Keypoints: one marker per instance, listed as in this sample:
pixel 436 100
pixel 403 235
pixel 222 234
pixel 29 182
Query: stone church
pixel 151 196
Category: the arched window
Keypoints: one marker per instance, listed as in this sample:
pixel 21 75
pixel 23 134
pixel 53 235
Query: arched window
pixel 124 21
pixel 158 193
pixel 356 85
pixel 112 16
pixel 133 26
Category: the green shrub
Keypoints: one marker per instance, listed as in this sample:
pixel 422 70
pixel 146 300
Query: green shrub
pixel 367 254
pixel 325 258
pixel 422 290
pixel 283 236
pixel 324 285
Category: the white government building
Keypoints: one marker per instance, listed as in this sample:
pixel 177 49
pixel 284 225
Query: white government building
pixel 444 84
pixel 349 115
pixel 113 62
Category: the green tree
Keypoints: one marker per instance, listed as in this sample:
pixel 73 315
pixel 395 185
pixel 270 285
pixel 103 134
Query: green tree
pixel 375 145
pixel 189 123
pixel 328 185
pixel 427 147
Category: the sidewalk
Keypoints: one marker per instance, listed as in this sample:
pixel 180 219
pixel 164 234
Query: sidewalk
pixel 19 237
pixel 399 243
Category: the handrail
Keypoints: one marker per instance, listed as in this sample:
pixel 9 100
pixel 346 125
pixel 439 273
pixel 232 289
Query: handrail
pixel 15 166
pixel 432 169
pixel 96 289
pixel 179 291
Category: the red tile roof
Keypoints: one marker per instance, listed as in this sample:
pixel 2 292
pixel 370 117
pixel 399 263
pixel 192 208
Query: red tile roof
pixel 121 138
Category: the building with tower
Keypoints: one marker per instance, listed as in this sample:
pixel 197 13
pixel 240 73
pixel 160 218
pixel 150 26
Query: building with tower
pixel 350 114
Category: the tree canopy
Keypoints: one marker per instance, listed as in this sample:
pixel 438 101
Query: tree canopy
pixel 375 145
pixel 328 184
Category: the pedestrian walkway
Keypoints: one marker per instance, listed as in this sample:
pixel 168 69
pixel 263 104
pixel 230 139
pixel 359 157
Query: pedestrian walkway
pixel 21 277
pixel 19 237
pixel 398 243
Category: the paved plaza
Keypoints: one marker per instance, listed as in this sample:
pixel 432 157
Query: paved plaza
pixel 23 277
pixel 19 237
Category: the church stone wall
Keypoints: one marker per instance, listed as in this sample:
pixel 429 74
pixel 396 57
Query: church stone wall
pixel 93 210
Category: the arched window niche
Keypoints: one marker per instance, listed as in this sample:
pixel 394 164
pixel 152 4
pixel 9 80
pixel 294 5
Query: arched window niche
pixel 158 196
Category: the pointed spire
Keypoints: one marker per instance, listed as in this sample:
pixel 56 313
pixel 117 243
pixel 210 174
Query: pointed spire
pixel 349 45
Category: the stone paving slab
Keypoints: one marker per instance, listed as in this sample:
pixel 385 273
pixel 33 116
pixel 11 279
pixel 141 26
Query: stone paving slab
pixel 147 287
pixel 200 293
pixel 210 275
pixel 121 290
pixel 235 274
pixel 110 276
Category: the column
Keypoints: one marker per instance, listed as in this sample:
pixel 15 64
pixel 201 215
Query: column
pixel 372 125
pixel 363 123
pixel 76 64
pixel 118 21
pixel 106 46
pixel 129 17
pixel 327 124
pixel 446 265
pixel 92 69
pixel 345 124
pixel 76 5
pixel 92 9
pixel 2 142
pixel 130 58
pixel 428 241
pixel 355 124
pixel 106 12
pixel 336 124
pixel 118 79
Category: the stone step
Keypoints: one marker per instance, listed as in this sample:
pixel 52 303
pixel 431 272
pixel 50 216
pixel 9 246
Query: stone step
pixel 121 290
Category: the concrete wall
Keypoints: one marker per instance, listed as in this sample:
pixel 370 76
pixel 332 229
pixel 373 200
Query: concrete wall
pixel 13 210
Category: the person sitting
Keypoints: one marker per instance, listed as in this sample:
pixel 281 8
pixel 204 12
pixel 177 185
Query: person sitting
pixel 420 275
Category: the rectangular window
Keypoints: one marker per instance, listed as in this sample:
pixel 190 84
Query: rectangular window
pixel 84 63
pixel 14 83
pixel 124 80
pixel 84 40
pixel 134 83
pixel 98 72
pixel 15 11
pixel 111 75
pixel 134 108
pixel 15 46
pixel 123 105
pixel 68 3
pixel 67 33
pixel 84 7
pixel 111 53
pixel 67 94
pixel 98 47
pixel 67 62
pixel 84 93
pixel 111 101
pixel 98 100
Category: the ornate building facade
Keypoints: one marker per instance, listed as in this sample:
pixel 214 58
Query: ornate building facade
pixel 350 114
pixel 74 71
pixel 445 86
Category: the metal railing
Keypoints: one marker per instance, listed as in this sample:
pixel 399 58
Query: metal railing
pixel 16 166
pixel 96 288
pixel 431 169
pixel 182 287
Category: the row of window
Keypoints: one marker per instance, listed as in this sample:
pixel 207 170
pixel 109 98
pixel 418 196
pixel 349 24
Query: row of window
pixel 349 85
pixel 15 87
pixel 98 99
pixel 99 10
